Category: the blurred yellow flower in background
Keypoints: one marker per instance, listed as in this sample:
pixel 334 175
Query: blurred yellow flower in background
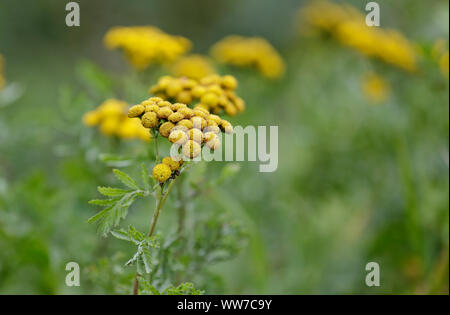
pixel 145 45
pixel 325 16
pixel 2 78
pixel 439 48
pixel 439 54
pixel 111 117
pixel 443 63
pixel 193 67
pixel 348 26
pixel 249 52
pixel 375 88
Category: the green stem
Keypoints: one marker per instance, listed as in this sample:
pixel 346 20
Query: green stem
pixel 136 284
pixel 155 142
pixel 181 206
pixel 160 200
pixel 159 204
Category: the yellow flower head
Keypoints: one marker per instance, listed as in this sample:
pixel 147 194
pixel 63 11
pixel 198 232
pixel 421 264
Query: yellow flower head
pixel 161 172
pixel 249 52
pixel 136 111
pixel 149 120
pixel 191 149
pixel 211 140
pixel 174 165
pixel 178 136
pixel 165 129
pixel 112 119
pixel 145 45
pixel 375 88
pixel 348 26
pixel 192 66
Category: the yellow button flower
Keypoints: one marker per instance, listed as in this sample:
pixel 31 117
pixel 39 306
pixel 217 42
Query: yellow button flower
pixel 191 149
pixel 165 129
pixel 149 120
pixel 178 136
pixel 161 172
pixel 174 165
pixel 164 112
pixel 135 111
pixel 176 117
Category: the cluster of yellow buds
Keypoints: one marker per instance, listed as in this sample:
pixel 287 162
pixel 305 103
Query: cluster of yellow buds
pixel 2 79
pixel 190 128
pixel 144 45
pixel 193 67
pixel 111 117
pixel 249 52
pixel 212 93
pixel 169 168
pixel 348 26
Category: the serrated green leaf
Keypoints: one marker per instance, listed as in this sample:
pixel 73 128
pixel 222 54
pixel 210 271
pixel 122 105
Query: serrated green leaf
pixel 135 234
pixel 102 202
pixel 126 179
pixel 112 192
pixel 100 214
pixel 146 259
pixel 121 235
pixel 148 288
pixel 140 265
pixel 153 241
pixel 130 261
pixel 186 288
pixel 111 216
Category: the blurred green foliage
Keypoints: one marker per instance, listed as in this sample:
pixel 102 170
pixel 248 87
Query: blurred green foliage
pixel 355 183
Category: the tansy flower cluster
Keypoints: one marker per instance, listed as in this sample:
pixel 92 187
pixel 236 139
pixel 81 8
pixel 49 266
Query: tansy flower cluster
pixel 145 45
pixel 111 117
pixel 190 128
pixel 213 93
pixel 249 52
pixel 2 79
pixel 375 88
pixel 167 169
pixel 348 26
pixel 192 66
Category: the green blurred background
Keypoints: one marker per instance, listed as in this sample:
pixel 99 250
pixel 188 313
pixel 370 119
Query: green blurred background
pixel 355 183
